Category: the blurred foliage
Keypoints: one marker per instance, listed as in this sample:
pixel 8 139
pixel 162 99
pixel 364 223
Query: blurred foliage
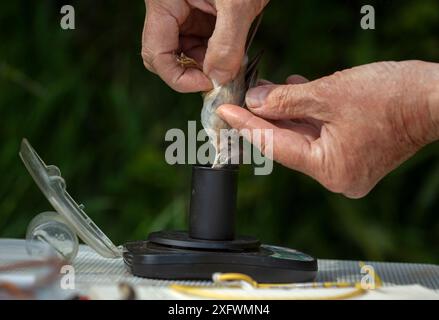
pixel 86 103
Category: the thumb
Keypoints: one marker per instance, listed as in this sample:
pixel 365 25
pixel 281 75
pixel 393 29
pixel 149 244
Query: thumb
pixel 278 102
pixel 226 47
pixel 287 147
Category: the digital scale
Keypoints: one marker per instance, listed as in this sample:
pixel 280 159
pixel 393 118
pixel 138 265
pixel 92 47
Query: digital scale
pixel 208 247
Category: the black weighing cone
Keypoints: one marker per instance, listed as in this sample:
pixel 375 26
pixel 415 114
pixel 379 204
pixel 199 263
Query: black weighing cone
pixel 213 203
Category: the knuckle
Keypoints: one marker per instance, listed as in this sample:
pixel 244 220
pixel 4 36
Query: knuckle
pixel 330 183
pixel 346 182
pixel 336 185
pixel 250 8
pixel 279 98
pixel 336 176
pixel 238 5
pixel 355 194
pixel 146 55
pixel 324 86
pixel 148 59
pixel 222 50
pixel 320 97
pixel 226 57
pixel 333 86
pixel 147 66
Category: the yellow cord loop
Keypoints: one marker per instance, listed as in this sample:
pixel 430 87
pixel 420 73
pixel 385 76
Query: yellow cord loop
pixel 244 282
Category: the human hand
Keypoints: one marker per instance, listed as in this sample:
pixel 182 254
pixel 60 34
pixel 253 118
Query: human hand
pixel 211 32
pixel 350 129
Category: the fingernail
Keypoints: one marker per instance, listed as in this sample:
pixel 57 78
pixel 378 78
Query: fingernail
pixel 256 96
pixel 220 76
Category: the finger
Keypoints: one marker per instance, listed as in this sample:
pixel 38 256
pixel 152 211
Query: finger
pixel 305 129
pixel 226 47
pixel 207 6
pixel 146 56
pixel 158 20
pixel 198 23
pixel 194 47
pixel 158 51
pixel 288 147
pixel 293 79
pixel 279 102
pixel 296 79
pixel 263 82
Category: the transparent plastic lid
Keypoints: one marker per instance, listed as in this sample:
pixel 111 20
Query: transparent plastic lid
pixel 53 186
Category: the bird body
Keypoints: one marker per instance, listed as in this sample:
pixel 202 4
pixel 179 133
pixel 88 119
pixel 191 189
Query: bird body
pixel 230 93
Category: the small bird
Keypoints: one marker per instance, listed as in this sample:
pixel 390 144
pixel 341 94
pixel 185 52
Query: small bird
pixel 230 93
pixel 227 151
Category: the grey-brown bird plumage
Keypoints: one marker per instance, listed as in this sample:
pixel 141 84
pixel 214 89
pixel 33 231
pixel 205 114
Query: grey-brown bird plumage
pixel 230 93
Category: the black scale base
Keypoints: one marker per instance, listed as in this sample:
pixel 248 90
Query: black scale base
pixel 211 246
pixel 176 256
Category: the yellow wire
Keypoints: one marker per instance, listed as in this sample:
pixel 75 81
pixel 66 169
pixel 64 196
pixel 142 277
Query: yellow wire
pixel 207 293
pixel 203 292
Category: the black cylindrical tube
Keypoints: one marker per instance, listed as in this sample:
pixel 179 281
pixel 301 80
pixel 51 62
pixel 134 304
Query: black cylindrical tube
pixel 213 203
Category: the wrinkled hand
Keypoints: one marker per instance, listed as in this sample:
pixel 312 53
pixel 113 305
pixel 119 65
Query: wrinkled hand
pixel 350 129
pixel 211 32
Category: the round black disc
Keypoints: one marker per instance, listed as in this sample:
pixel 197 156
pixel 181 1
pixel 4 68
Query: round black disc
pixel 180 239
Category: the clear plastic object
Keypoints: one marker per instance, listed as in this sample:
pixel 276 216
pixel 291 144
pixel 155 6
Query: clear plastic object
pixel 72 219
pixel 53 230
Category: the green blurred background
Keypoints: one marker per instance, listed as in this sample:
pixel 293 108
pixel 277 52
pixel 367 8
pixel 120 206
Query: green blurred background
pixel 86 103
